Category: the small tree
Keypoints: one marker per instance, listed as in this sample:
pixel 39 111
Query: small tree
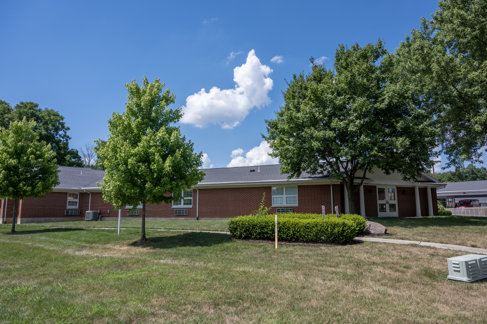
pixel 146 159
pixel 28 167
pixel 352 119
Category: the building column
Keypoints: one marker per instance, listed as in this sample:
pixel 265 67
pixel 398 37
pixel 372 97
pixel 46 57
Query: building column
pixel 416 199
pixel 362 201
pixel 430 203
pixel 347 209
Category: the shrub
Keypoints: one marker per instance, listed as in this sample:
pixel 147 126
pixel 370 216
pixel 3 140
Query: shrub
pixel 263 210
pixel 298 228
pixel 442 210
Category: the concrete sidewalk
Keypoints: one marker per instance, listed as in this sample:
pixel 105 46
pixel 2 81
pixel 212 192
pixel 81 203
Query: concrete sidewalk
pixel 430 244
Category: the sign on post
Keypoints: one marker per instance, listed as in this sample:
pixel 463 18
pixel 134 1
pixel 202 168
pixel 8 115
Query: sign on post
pixel 336 210
pixel 323 211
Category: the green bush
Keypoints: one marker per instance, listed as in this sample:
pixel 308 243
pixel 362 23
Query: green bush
pixel 442 210
pixel 298 228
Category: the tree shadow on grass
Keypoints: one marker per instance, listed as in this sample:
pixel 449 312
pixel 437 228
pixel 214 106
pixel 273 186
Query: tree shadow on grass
pixel 432 221
pixel 42 231
pixel 191 239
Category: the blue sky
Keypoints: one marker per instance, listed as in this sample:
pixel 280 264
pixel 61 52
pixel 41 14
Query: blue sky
pixel 75 57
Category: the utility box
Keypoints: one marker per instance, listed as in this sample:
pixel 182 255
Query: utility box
pixel 467 268
pixel 91 215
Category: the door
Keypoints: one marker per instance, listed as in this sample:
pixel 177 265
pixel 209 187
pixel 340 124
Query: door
pixel 387 201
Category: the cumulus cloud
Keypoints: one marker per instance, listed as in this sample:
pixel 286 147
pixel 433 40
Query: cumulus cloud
pixel 237 152
pixel 321 60
pixel 208 21
pixel 228 107
pixel 277 59
pixel 232 55
pixel 259 155
pixel 206 162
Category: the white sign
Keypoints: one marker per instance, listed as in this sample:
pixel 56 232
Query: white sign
pixel 336 210
pixel 323 211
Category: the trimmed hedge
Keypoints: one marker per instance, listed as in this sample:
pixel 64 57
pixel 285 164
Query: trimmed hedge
pixel 298 228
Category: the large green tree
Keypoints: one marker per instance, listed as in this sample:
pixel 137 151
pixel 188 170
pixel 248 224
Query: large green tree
pixel 352 119
pixel 50 127
pixel 145 157
pixel 27 165
pixel 469 173
pixel 444 63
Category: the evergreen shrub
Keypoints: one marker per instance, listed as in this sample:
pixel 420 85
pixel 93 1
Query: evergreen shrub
pixel 299 228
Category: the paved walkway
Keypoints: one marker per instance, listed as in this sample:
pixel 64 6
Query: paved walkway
pixel 436 245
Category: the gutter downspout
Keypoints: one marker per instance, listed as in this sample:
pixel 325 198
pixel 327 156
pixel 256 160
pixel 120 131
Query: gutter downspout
pixel 197 203
pixel 89 202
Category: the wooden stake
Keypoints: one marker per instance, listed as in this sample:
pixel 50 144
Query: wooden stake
pixel 276 231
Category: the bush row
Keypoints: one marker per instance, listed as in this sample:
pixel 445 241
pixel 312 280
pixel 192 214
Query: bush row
pixel 299 228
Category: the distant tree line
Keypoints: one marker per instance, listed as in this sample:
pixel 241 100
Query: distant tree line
pixel 469 173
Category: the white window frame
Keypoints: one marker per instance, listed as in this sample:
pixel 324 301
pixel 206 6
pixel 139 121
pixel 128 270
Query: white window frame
pixel 68 200
pixel 138 207
pixel 182 205
pixel 284 204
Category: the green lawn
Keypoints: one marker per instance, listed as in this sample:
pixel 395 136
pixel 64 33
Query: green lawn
pixel 80 275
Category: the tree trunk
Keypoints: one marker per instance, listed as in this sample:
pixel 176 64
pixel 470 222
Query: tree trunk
pixel 14 219
pixel 143 239
pixel 351 197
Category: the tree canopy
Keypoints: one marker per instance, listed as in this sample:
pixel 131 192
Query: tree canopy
pixel 50 127
pixel 145 157
pixel 444 63
pixel 352 119
pixel 469 173
pixel 27 165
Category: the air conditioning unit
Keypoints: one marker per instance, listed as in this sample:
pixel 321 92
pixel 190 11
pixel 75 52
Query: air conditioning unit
pixel 71 212
pixel 134 213
pixel 91 215
pixel 467 268
pixel 180 212
pixel 284 210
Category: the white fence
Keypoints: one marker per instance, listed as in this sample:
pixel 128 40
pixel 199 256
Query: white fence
pixel 471 211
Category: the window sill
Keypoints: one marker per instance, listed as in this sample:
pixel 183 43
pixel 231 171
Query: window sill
pixel 182 206
pixel 284 206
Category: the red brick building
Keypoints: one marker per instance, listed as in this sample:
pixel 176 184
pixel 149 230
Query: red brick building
pixel 230 192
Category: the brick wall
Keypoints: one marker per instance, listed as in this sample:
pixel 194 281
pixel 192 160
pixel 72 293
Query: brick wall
pixel 434 199
pixel 10 209
pixel 423 199
pixel 406 202
pixel 370 197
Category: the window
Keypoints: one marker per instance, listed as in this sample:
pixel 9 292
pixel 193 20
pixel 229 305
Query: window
pixel 284 196
pixel 187 200
pixel 138 207
pixel 73 199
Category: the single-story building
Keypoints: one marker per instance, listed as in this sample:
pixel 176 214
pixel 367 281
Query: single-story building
pixel 231 192
pixel 453 192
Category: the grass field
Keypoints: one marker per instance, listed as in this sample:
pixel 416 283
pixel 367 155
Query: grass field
pixel 84 274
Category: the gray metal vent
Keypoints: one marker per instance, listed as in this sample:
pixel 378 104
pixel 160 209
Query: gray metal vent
pixel 284 210
pixel 180 212
pixel 91 216
pixel 134 213
pixel 71 212
pixel 467 268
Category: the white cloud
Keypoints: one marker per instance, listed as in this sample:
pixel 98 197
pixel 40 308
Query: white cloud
pixel 206 162
pixel 237 152
pixel 321 60
pixel 209 21
pixel 256 156
pixel 232 55
pixel 228 107
pixel 277 59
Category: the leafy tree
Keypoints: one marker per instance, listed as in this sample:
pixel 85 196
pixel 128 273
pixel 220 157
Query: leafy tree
pixel 146 158
pixel 469 173
pixel 5 111
pixel 352 119
pixel 51 129
pixel 99 160
pixel 444 63
pixel 28 168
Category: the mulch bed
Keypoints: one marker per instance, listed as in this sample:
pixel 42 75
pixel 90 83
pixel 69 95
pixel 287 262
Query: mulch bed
pixel 283 243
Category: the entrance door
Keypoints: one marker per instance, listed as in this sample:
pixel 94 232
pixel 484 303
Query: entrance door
pixel 387 201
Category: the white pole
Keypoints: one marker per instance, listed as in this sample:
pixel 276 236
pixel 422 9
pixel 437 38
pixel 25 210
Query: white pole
pixel 323 212
pixel 276 231
pixel 5 217
pixel 119 217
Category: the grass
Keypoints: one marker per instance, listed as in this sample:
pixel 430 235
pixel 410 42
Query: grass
pixel 458 230
pixel 84 274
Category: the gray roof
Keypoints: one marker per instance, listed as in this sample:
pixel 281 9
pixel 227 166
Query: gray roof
pixel 244 174
pixel 464 186
pixel 73 177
